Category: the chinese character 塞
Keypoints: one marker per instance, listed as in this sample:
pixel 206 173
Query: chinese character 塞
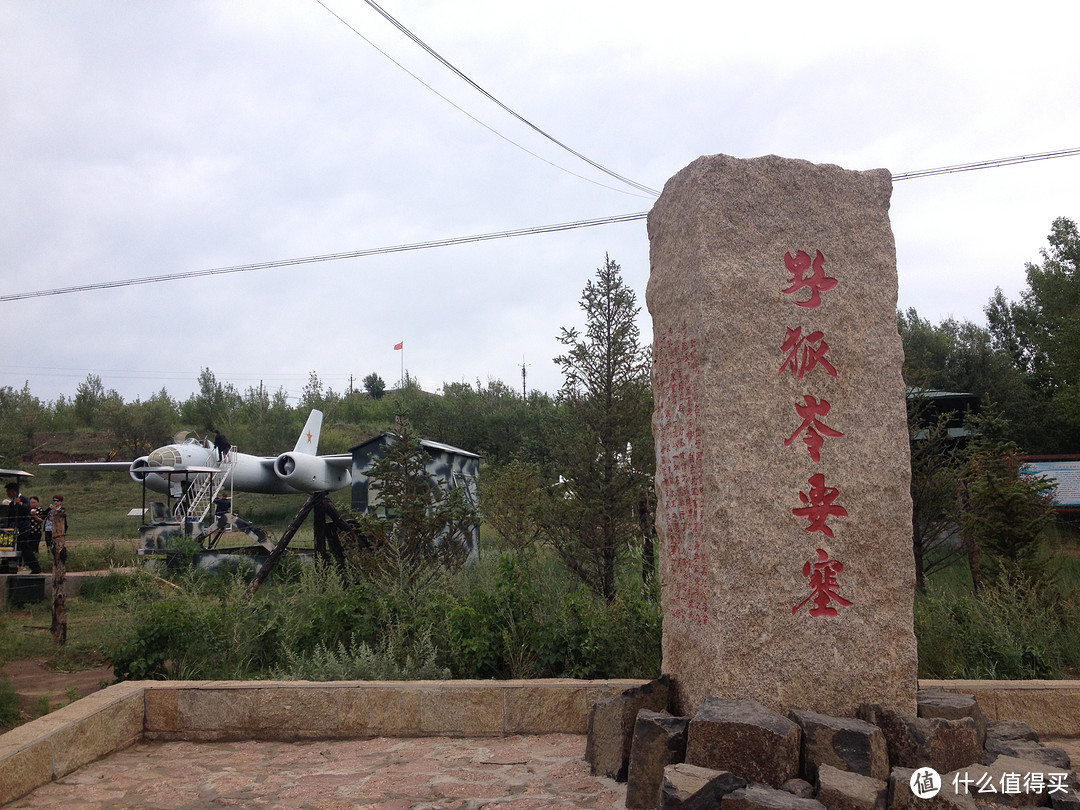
pixel 824 583
pixel 815 429
pixel 817 281
pixel 819 505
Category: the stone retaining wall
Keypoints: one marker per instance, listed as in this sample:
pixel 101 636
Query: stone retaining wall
pixel 1052 708
pixel 94 726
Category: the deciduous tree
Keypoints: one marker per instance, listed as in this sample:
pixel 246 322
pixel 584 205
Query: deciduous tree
pixel 1041 333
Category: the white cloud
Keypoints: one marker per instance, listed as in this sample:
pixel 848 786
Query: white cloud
pixel 140 139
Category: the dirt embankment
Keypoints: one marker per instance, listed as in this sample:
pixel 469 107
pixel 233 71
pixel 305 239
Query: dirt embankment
pixel 32 681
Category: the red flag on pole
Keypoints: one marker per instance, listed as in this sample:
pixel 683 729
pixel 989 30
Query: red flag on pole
pixel 399 346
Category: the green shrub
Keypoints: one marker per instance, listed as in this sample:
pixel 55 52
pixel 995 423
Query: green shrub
pixel 516 628
pixel 9 704
pixel 42 706
pixel 161 642
pixel 108 586
pixel 499 618
pixel 1013 629
pixel 395 660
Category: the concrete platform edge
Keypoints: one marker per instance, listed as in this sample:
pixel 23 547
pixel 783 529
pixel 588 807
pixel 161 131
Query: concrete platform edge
pixel 201 711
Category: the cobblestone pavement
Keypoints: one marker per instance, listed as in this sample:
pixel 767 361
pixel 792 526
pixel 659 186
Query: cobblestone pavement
pixel 434 773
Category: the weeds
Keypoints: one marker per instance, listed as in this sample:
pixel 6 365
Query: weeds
pixel 1016 627
pixel 395 660
pixel 9 704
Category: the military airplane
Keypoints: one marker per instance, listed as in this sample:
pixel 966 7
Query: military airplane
pixel 301 470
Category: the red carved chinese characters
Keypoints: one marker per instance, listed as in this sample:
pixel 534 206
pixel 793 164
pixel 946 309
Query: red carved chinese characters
pixel 804 353
pixel 679 464
pixel 817 282
pixel 824 576
pixel 814 428
pixel 819 505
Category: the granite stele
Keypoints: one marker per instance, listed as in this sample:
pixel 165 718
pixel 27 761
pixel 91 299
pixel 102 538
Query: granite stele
pixel 783 466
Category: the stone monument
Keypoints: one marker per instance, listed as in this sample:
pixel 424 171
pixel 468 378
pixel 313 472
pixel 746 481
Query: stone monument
pixel 783 468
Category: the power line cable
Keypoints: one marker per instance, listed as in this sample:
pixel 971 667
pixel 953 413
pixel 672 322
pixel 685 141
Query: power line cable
pixel 484 237
pixel 986 164
pixel 327 257
pixel 434 54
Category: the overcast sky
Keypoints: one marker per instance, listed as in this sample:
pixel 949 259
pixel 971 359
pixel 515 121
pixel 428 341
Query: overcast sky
pixel 152 138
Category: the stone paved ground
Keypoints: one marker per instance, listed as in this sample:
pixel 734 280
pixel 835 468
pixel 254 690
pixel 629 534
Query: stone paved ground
pixel 434 773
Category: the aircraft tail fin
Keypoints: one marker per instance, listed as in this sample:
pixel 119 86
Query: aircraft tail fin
pixel 309 436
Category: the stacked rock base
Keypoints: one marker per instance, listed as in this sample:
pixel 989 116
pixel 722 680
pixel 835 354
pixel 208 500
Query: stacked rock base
pixel 740 755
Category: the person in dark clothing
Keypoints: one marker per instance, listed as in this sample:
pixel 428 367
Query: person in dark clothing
pixel 222 505
pixel 18 518
pixel 37 522
pixel 222 445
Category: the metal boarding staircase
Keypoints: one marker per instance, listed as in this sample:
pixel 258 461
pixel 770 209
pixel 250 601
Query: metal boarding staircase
pixel 203 489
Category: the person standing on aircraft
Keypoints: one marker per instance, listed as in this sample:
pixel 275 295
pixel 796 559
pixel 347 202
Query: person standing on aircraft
pixel 222 505
pixel 222 445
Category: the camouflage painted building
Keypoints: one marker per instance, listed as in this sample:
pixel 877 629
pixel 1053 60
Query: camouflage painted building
pixel 448 467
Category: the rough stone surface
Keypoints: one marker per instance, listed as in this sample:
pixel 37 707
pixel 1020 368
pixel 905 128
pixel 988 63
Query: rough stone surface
pixel 842 790
pixel 1069 800
pixel 659 741
pixel 799 787
pixel 760 797
pixel 914 742
pixel 691 787
pixel 1029 750
pixel 842 742
pixel 611 726
pixel 1010 730
pixel 901 797
pixel 995 775
pixel 952 706
pixel 733 461
pixel 952 744
pixel 746 738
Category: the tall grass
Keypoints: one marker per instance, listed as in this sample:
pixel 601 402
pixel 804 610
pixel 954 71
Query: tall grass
pixel 501 617
pixel 1017 626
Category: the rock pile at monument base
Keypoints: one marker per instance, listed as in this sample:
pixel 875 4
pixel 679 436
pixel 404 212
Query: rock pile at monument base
pixel 741 755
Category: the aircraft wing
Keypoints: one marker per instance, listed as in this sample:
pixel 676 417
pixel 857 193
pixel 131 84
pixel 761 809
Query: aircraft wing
pixel 88 465
pixel 17 473
pixel 339 461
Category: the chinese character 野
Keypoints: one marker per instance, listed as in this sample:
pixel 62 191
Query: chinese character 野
pixel 813 348
pixel 817 282
pixel 824 575
pixel 810 410
pixel 819 505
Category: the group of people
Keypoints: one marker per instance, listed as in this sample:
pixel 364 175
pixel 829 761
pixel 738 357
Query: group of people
pixel 29 521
